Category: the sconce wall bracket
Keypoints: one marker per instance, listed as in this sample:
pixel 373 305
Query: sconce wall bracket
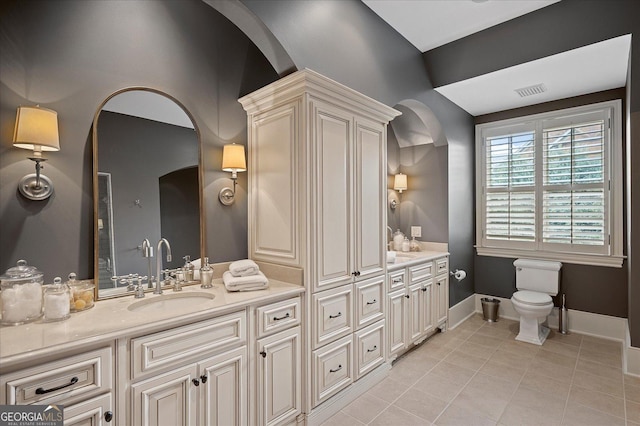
pixel 35 187
pixel 226 196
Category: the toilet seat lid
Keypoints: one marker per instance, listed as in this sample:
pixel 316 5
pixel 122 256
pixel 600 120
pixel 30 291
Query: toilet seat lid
pixel 532 297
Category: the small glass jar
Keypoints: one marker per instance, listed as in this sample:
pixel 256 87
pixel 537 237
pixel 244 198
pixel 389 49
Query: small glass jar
pixel 56 301
pixel 415 245
pixel 21 294
pixel 206 274
pixel 406 245
pixel 81 294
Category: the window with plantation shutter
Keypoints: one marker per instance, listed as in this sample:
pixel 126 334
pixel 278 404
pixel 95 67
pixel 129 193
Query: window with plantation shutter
pixel 550 186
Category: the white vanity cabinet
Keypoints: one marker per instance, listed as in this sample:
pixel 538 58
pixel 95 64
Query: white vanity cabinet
pixel 317 198
pixel 193 374
pixel 83 382
pixel 279 362
pixel 417 303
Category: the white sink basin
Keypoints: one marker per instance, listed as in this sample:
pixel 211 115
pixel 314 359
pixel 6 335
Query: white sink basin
pixel 192 300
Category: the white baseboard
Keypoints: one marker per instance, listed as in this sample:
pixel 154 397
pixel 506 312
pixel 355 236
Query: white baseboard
pixel 631 356
pixel 461 311
pixel 333 405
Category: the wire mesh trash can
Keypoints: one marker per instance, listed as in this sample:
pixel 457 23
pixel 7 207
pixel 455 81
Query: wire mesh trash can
pixel 490 309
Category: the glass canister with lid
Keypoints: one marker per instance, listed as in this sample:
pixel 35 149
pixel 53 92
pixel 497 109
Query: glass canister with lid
pixel 21 294
pixel 56 301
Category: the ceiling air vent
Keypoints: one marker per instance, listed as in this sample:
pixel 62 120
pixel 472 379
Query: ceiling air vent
pixel 531 90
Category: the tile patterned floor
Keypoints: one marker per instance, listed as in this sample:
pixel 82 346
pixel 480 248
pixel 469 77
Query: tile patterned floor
pixel 477 374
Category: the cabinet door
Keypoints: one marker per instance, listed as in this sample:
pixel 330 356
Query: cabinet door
pixel 167 399
pixel 370 205
pixel 332 147
pixel 279 377
pixel 415 314
pixel 397 321
pixel 426 299
pixel 442 303
pixel 224 389
pixel 93 412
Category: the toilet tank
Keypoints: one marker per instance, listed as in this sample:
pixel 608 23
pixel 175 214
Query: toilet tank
pixel 538 275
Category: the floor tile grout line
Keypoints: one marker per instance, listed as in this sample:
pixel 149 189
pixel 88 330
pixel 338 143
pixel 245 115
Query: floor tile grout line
pixel 573 375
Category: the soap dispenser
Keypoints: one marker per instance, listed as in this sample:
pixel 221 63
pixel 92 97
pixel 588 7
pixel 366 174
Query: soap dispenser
pixel 206 274
pixel 188 269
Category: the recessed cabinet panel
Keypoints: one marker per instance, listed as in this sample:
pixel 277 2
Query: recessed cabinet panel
pixel 333 129
pixel 426 296
pixel 165 399
pixel 332 369
pixel 278 316
pixel 421 272
pixel 396 280
pixel 396 317
pixel 369 301
pixel 369 204
pixel 90 412
pixel 332 314
pixel 370 348
pixel 415 312
pixel 442 299
pixel 272 157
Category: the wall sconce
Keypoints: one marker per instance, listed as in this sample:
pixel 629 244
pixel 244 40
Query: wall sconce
pixel 36 129
pixel 232 161
pixel 399 184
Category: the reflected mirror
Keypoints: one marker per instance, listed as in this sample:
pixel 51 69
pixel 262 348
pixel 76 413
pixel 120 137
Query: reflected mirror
pixel 147 186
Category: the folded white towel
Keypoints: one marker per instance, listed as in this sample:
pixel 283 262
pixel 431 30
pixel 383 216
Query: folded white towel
pixel 253 282
pixel 243 268
pixel 391 257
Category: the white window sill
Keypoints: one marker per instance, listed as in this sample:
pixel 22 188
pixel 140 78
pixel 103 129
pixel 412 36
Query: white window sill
pixel 580 259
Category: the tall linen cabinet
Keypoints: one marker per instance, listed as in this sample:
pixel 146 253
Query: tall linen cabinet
pixel 317 201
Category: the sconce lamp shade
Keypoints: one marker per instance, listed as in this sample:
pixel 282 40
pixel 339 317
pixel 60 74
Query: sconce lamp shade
pixel 233 158
pixel 36 129
pixel 400 182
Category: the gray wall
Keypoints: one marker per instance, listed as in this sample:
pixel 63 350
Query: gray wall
pixel 562 26
pixel 349 43
pixel 70 55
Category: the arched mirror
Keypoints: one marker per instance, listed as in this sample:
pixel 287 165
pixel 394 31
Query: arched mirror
pixel 147 186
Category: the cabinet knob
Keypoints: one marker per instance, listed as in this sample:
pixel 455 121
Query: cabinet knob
pixel 108 416
pixel 356 273
pixel 196 382
pixel 203 378
pixel 406 295
pixel 424 289
pixel 264 354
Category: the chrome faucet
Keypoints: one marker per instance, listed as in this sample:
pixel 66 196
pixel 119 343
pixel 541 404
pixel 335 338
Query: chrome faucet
pixel 164 241
pixel 147 251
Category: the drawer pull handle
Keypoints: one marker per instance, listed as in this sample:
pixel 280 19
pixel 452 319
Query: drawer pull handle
pixel 337 369
pixel 203 378
pixel 196 382
pixel 397 280
pixel 281 318
pixel 373 302
pixel 108 416
pixel 264 354
pixel 339 314
pixel 373 349
pixel 42 391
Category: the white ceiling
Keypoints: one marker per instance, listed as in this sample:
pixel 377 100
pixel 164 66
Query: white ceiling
pixel 431 23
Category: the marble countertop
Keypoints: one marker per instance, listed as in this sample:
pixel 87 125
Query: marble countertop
pixel 111 319
pixel 404 259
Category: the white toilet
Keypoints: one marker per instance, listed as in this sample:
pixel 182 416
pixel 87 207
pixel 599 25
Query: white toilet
pixel 536 281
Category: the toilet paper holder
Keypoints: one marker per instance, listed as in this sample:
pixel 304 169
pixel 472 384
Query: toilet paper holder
pixel 458 274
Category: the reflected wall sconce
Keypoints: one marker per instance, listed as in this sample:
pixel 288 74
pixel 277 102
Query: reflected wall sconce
pixel 233 161
pixel 37 130
pixel 399 184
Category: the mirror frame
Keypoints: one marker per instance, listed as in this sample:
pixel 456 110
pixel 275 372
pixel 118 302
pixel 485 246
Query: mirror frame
pixel 94 131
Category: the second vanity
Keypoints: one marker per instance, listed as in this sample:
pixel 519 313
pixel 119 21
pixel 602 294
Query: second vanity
pixel 192 357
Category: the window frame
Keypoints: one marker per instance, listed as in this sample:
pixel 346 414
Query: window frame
pixel 612 253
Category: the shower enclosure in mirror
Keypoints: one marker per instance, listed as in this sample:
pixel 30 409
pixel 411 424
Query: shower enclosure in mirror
pixel 147 186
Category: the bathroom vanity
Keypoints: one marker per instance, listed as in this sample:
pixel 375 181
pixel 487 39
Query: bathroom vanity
pixel 193 357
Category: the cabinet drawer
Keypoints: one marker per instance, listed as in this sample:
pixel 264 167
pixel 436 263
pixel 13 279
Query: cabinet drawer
pixel 65 380
pixel 369 301
pixel 442 266
pixel 155 351
pixel 332 315
pixel 395 280
pixel 278 316
pixel 332 369
pixel 369 348
pixel 421 272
